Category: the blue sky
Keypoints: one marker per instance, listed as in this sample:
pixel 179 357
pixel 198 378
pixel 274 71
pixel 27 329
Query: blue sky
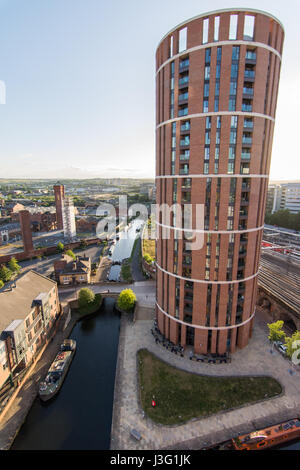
pixel 80 85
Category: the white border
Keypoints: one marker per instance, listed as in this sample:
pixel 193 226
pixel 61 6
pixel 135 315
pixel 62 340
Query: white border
pixel 224 232
pixel 217 12
pixel 218 44
pixel 214 328
pixel 202 281
pixel 227 175
pixel 219 113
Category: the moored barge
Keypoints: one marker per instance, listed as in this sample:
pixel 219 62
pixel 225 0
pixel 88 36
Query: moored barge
pixel 49 387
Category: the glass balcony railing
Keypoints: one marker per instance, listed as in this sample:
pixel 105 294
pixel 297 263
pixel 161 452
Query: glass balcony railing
pixel 185 127
pixel 248 124
pixel 184 80
pixel 183 112
pixel 183 64
pixel 184 171
pixel 183 97
pixel 248 91
pixel 185 142
pixel 249 73
pixel 247 140
pixel 246 155
pixel 247 108
pixel 250 55
pixel 184 157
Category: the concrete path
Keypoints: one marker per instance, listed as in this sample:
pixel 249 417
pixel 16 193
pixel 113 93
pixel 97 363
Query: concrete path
pixel 255 359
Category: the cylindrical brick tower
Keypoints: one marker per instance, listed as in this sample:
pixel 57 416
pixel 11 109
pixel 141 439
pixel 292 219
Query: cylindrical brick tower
pixel 59 194
pixel 217 79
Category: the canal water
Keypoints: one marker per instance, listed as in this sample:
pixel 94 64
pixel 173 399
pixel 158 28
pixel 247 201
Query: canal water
pixel 123 247
pixel 79 417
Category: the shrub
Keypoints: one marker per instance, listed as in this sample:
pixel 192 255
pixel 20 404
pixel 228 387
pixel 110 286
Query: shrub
pixel 126 300
pixel 60 247
pixel 85 297
pixel 13 265
pixel 71 254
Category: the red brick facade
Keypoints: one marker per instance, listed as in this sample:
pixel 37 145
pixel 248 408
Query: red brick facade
pixel 222 96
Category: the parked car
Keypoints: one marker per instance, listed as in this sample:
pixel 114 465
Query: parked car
pixel 281 347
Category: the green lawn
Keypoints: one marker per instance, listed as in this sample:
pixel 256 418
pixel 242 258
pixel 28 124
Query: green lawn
pixel 181 396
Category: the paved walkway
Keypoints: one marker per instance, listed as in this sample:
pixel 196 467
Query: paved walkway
pixel 255 359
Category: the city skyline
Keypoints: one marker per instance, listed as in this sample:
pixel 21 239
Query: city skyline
pixel 70 89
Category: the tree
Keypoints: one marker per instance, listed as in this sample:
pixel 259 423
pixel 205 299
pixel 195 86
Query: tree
pixel 275 331
pixel 60 247
pixel 1 284
pixel 85 297
pixel 5 273
pixel 14 266
pixel 126 300
pixel 71 254
pixel 293 345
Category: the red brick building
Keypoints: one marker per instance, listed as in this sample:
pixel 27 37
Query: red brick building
pixel 216 93
pixel 59 194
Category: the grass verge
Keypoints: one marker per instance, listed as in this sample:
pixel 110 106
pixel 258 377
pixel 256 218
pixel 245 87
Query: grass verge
pixel 181 396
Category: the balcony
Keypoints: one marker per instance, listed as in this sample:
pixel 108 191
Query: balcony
pixel 183 97
pixel 249 75
pixel 183 82
pixel 185 128
pixel 245 156
pixel 247 140
pixel 183 112
pixel 250 57
pixel 247 108
pixel 185 156
pixel 183 171
pixel 244 202
pixel 184 65
pixel 248 125
pixel 248 92
pixel 185 142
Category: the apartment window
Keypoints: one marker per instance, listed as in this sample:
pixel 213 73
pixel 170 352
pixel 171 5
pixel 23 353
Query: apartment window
pixel 234 70
pixel 206 90
pixel 206 168
pixel 205 30
pixel 232 104
pixel 207 72
pixel 249 28
pixel 216 29
pixel 207 56
pixel 182 40
pixel 233 137
pixel 208 122
pixel 216 105
pixel 233 27
pixel 206 153
pixel 219 122
pixel 235 52
pixel 231 155
pixel 234 122
pixel 171 46
pixel 231 168
pixel 205 106
pixel 217 153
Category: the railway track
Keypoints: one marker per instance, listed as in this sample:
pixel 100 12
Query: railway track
pixel 281 281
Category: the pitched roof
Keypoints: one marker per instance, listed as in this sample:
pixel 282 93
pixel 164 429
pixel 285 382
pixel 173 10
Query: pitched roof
pixel 16 304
